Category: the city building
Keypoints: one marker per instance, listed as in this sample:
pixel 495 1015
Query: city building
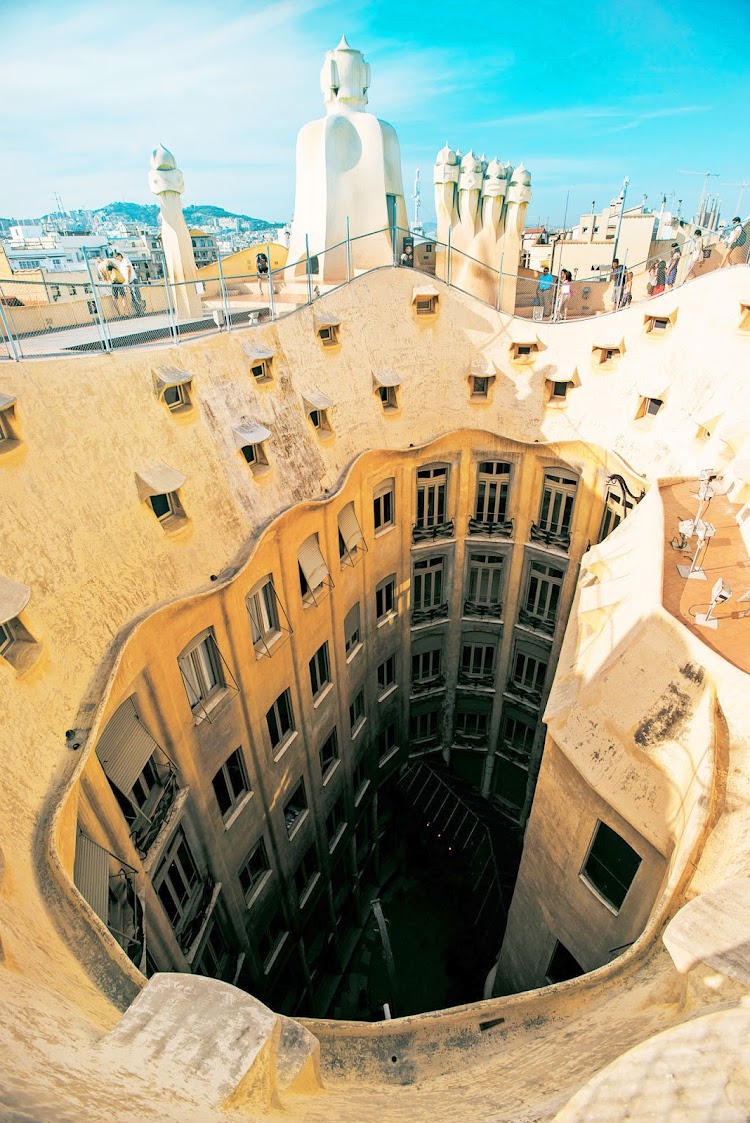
pixel 205 249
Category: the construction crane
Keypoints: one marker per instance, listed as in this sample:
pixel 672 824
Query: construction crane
pixel 742 187
pixel 706 177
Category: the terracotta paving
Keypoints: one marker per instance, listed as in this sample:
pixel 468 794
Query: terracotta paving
pixel 726 557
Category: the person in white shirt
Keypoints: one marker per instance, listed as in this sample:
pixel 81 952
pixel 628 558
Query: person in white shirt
pixel 126 267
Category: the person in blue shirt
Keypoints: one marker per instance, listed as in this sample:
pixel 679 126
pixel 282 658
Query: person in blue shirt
pixel 544 291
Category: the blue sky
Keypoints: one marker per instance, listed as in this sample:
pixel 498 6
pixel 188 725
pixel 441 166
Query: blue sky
pixel 584 95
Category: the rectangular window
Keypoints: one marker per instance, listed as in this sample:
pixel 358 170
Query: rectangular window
pixel 426 665
pixel 351 630
pixel 295 807
pixel 6 637
pixel 313 571
pixel 263 612
pixel 335 822
pixel 480 385
pixel 388 397
pixel 556 508
pixel 493 483
pixel 517 734
pixel 611 865
pixel 484 585
pixel 215 960
pixel 176 397
pixel 230 783
pixel 510 783
pixel 387 674
pixel 177 880
pixel 432 483
pixel 423 727
pixel 360 780
pixel 563 965
pixel 306 872
pixel 320 671
pixel 261 370
pixel 351 539
pixel 387 741
pixel 529 671
pixel 357 712
pixel 329 753
pixel 165 506
pixel 472 724
pixel 428 583
pixel 280 719
pixel 385 597
pixel 542 600
pixel 271 938
pixel 200 667
pixel 618 504
pixel 384 505
pixel 478 659
pixel 253 870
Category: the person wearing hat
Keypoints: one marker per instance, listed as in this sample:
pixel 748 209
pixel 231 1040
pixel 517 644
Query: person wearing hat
pixel 672 265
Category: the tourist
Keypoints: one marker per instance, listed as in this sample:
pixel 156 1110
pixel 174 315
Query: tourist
pixel 618 276
pixel 736 251
pixel 544 289
pixel 111 276
pixel 660 277
pixel 126 267
pixel 672 265
pixel 563 295
pixel 695 261
pixel 261 268
pixel 627 290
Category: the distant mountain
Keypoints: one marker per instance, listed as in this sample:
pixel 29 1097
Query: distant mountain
pixel 147 214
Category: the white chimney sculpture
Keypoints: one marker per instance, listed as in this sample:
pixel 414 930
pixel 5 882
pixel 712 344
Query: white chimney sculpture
pixel 166 182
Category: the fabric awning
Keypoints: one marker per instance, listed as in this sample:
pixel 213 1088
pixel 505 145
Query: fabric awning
pixel 424 292
pixel 157 478
pixel 91 875
pixel 350 529
pixel 250 433
pixel 6 401
pixel 14 597
pixel 386 378
pixel 257 352
pixel 559 376
pixel 315 399
pixel 125 746
pixel 170 376
pixel 312 562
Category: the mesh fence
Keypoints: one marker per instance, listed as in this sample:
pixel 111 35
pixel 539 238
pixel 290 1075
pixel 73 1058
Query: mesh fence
pixel 95 310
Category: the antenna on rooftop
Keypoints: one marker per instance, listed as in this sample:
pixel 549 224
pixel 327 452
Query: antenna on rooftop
pixel 706 177
pixel 417 197
pixel 744 183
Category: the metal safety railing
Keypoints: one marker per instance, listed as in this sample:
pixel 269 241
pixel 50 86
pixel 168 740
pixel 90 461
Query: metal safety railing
pixel 89 311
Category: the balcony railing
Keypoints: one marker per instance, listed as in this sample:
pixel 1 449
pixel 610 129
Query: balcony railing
pixel 192 919
pixel 431 533
pixel 125 920
pixel 544 624
pixel 426 615
pixel 549 537
pixel 422 686
pixel 513 753
pixel 471 740
pixel 148 823
pixel 466 679
pixel 490 611
pixel 491 530
pixel 531 694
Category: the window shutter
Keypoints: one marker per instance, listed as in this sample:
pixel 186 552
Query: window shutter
pixel 124 747
pixel 350 529
pixel 312 562
pixel 91 875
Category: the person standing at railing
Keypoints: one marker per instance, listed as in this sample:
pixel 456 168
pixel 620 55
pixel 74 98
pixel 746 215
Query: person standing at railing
pixel 126 267
pixel 261 268
pixel 563 295
pixel 111 275
pixel 695 261
pixel 672 266
pixel 544 291
pixel 627 291
pixel 660 274
pixel 736 251
pixel 618 276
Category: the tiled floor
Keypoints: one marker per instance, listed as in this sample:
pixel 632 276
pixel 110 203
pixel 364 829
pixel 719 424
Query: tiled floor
pixel 725 557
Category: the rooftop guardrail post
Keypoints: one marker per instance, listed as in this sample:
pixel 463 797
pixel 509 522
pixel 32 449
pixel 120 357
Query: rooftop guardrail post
pixel 448 267
pixel 170 308
pixel 223 291
pixel 309 278
pixel 270 284
pixel 14 354
pixel 348 252
pixel 106 341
